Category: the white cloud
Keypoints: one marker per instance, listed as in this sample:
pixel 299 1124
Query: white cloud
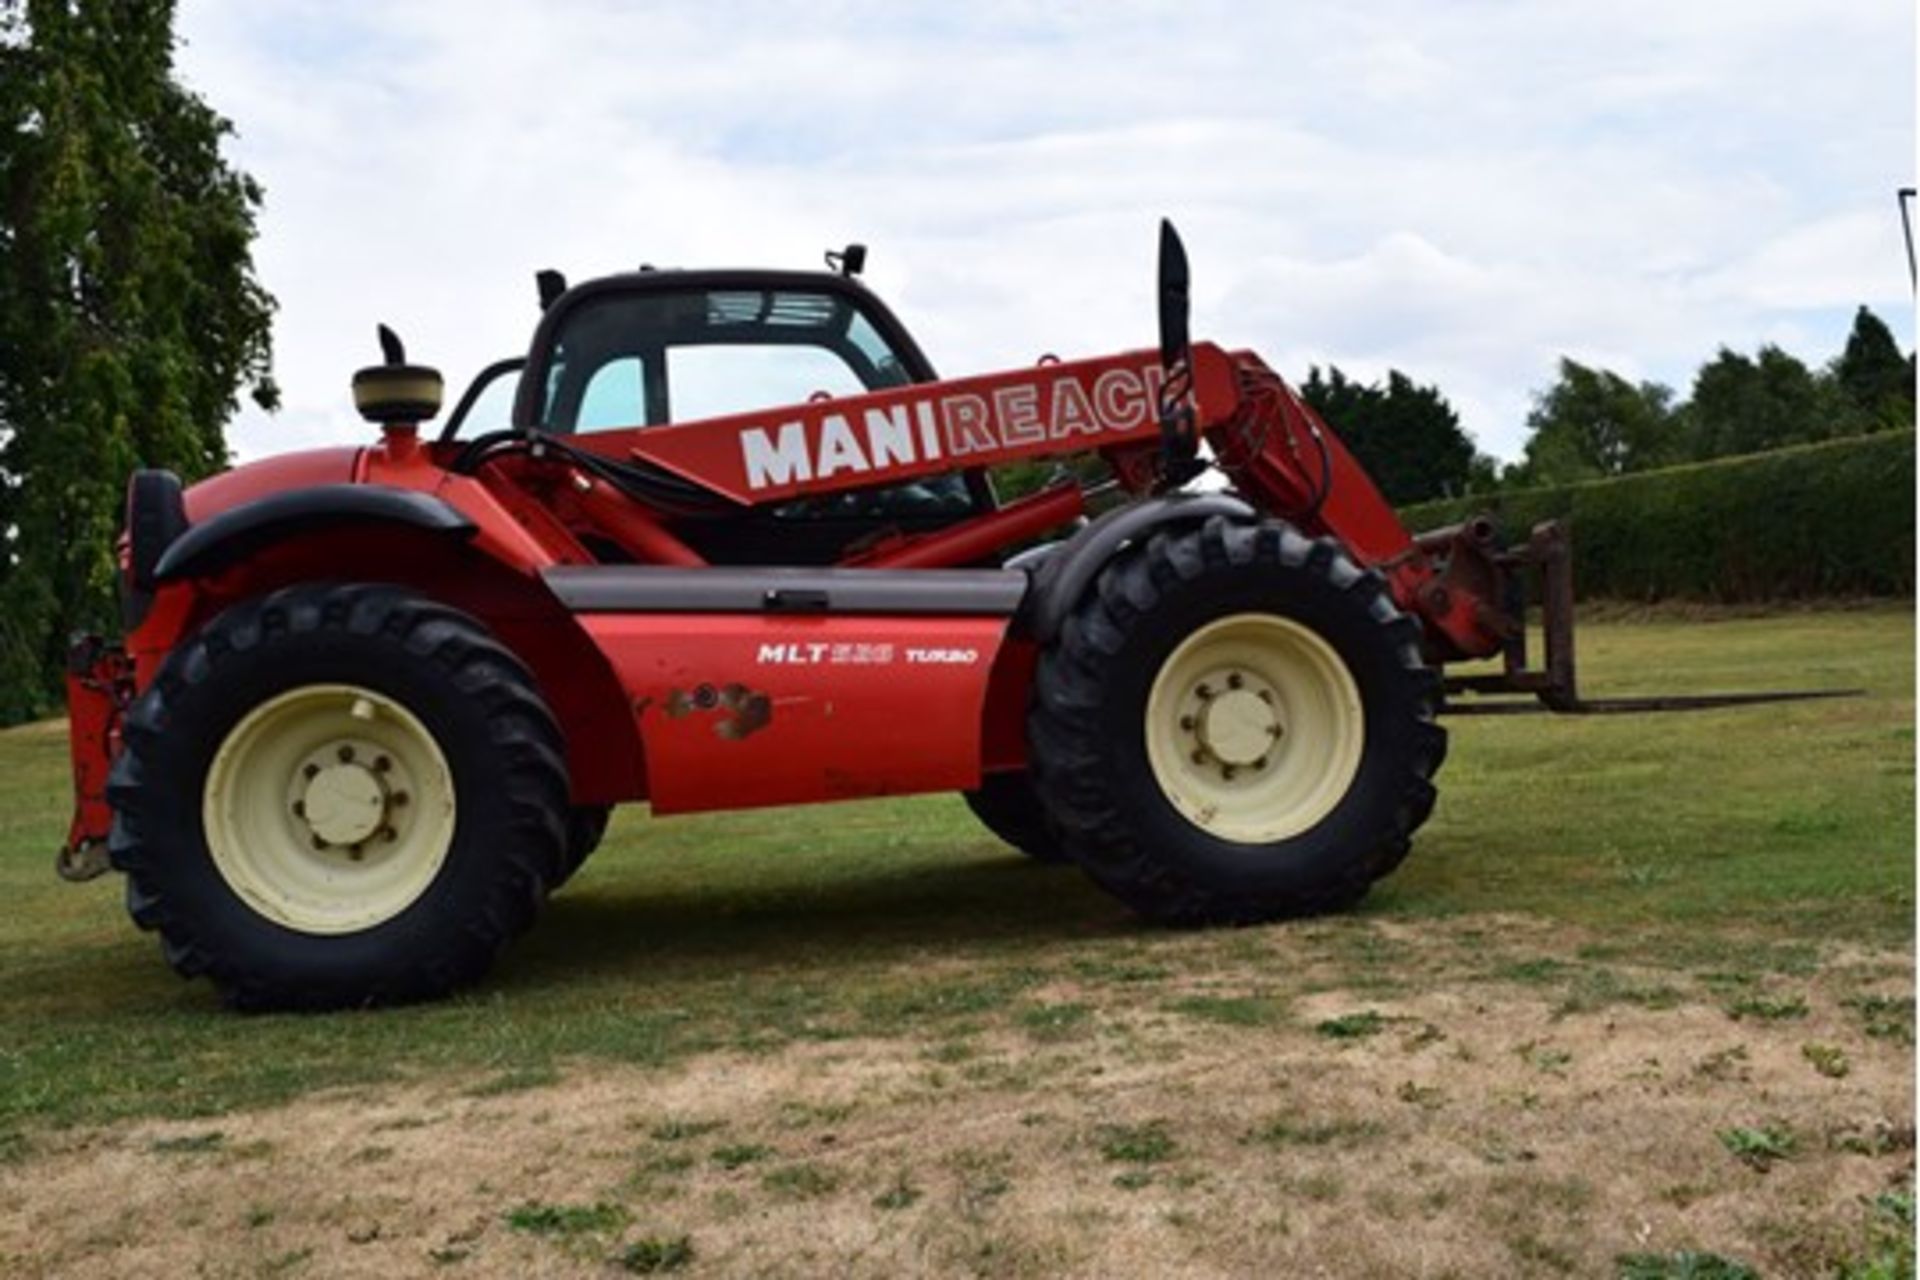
pixel 1463 191
pixel 1833 262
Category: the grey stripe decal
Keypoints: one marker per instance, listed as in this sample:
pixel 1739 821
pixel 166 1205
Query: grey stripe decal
pixel 662 589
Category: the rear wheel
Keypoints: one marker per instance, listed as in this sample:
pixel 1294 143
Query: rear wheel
pixel 338 795
pixel 1236 725
pixel 1006 805
pixel 586 828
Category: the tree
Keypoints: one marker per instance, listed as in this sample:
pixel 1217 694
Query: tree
pixel 1407 436
pixel 1593 422
pixel 1875 379
pixel 1743 405
pixel 130 316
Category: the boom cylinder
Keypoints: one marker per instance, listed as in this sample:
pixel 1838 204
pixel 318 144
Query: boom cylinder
pixel 630 525
pixel 978 539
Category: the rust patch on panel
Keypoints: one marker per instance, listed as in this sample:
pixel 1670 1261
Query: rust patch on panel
pixel 742 712
pixel 747 712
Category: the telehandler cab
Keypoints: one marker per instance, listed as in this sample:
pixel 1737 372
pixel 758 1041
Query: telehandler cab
pixel 374 703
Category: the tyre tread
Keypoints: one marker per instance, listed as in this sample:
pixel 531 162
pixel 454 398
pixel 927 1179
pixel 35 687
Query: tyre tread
pixel 1072 777
pixel 522 727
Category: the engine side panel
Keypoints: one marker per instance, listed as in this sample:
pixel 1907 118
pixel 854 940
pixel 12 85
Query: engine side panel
pixel 739 710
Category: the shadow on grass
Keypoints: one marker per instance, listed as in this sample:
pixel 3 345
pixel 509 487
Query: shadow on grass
pixel 1002 906
pixel 643 961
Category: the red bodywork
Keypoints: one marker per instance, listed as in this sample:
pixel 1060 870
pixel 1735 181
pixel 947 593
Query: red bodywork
pixel 697 710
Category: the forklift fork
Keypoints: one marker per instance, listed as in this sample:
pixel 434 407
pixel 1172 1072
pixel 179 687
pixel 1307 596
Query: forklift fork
pixel 1547 556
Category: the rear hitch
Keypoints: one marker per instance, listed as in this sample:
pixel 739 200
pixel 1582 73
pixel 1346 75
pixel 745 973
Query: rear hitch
pixel 82 862
pixel 1547 555
pixel 99 688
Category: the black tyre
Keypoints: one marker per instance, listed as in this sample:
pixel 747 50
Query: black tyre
pixel 1236 725
pixel 586 828
pixel 1006 805
pixel 338 795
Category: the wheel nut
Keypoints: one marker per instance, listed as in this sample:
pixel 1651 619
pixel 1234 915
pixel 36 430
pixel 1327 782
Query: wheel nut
pixel 1227 771
pixel 1203 692
pixel 1187 723
pixel 299 808
pixel 319 843
pixel 381 764
pixel 1200 756
pixel 389 834
pixel 397 799
pixel 1261 763
pixel 356 853
pixel 345 753
pixel 1234 681
pixel 1275 730
pixel 1265 696
pixel 311 771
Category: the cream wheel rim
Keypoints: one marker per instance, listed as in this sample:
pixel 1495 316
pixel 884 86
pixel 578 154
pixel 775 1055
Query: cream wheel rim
pixel 1254 728
pixel 329 808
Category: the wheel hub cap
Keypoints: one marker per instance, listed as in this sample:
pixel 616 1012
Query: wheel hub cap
pixel 1237 727
pixel 344 804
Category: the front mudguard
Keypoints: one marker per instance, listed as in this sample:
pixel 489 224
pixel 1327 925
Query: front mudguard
pixel 1067 570
pixel 99 688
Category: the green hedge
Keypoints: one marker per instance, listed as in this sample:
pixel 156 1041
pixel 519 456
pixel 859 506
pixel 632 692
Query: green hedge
pixel 1833 519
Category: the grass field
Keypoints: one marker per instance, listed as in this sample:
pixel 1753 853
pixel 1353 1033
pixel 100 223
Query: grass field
pixel 1645 987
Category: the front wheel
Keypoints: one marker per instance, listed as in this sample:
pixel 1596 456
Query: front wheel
pixel 338 795
pixel 1235 725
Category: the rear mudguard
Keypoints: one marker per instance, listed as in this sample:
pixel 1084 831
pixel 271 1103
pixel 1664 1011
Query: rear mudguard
pixel 603 745
pixel 237 532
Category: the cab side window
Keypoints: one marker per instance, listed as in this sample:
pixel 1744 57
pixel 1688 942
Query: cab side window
pixel 712 381
pixel 615 396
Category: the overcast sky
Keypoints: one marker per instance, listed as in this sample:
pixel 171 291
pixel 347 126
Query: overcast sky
pixel 1464 191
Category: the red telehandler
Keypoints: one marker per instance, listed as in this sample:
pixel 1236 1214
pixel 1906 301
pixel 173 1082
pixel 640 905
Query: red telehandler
pixel 374 704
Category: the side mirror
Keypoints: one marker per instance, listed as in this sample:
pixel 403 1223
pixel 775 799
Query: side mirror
pixel 850 261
